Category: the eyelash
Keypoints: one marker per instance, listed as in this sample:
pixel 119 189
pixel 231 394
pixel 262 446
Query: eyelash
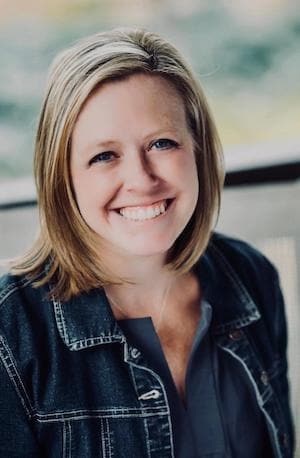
pixel 172 143
pixel 99 157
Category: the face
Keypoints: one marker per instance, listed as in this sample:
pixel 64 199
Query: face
pixel 133 167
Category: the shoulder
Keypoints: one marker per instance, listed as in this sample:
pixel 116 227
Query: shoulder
pixel 24 310
pixel 239 250
pixel 11 285
pixel 19 289
pixel 251 271
pixel 252 267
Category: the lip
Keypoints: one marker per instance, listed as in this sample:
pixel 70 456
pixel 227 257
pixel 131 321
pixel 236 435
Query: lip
pixel 145 204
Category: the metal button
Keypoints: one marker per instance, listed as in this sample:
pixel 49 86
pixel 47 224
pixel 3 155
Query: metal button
pixel 236 334
pixel 135 353
pixel 264 378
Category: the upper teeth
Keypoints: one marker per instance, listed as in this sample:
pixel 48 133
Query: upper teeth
pixel 141 213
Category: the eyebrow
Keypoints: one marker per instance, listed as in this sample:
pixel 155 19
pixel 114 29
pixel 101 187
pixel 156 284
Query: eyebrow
pixel 109 143
pixel 104 143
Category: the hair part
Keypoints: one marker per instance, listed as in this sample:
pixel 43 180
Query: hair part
pixel 66 252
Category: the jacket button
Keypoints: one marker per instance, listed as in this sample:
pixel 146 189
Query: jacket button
pixel 135 353
pixel 285 440
pixel 264 378
pixel 236 334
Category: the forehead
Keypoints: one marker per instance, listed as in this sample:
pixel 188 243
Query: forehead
pixel 138 95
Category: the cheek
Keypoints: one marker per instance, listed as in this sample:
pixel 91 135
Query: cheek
pixel 90 189
pixel 187 171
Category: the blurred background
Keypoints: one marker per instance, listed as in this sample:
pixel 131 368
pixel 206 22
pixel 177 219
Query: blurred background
pixel 247 56
pixel 246 53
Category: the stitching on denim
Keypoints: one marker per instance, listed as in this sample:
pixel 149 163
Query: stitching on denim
pixel 237 284
pixel 259 398
pixel 91 341
pixel 109 413
pixel 10 366
pixel 82 343
pixel 69 438
pixel 60 319
pixel 244 319
pixel 133 378
pixel 267 392
pixel 147 438
pixel 97 411
pixel 64 440
pixel 145 418
pixel 11 288
pixel 137 395
pixel 103 442
pixel 109 439
pixel 166 402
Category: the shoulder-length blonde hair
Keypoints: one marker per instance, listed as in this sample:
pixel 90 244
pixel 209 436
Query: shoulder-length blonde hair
pixel 66 245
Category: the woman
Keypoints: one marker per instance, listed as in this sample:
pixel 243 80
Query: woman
pixel 130 329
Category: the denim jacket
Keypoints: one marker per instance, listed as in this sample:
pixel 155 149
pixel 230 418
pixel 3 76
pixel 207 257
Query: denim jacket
pixel 71 386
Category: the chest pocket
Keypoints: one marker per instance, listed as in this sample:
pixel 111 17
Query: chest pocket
pixel 90 434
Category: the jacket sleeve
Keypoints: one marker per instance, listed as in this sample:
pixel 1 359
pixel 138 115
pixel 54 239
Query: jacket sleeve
pixel 280 326
pixel 17 439
pixel 261 280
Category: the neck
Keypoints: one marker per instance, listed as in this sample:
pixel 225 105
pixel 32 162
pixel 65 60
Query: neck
pixel 173 296
pixel 147 274
pixel 153 285
pixel 145 295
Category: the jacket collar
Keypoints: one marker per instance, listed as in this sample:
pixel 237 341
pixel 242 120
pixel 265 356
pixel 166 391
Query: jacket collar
pixel 233 307
pixel 87 319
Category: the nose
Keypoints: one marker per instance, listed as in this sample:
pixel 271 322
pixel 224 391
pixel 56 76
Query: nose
pixel 138 173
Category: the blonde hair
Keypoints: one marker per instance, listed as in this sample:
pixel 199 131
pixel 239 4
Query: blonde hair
pixel 65 253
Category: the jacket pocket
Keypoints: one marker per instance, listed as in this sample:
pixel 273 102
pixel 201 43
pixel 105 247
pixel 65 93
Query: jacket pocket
pixel 89 434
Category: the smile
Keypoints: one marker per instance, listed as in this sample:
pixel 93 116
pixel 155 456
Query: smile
pixel 145 213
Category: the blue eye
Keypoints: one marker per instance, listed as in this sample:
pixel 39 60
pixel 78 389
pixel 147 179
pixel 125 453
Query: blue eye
pixel 164 143
pixel 106 156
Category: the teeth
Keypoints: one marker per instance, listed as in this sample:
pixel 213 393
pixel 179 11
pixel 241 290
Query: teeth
pixel 144 213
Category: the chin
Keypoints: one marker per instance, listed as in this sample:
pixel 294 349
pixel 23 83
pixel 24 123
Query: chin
pixel 147 249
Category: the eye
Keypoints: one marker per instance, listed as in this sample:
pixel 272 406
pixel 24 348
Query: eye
pixel 106 156
pixel 164 143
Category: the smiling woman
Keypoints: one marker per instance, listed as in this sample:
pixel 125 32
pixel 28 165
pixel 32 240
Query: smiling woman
pixel 87 95
pixel 150 161
pixel 183 330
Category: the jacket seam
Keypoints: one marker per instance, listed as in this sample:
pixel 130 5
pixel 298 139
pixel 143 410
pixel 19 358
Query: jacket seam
pixel 236 282
pixel 145 419
pixel 67 440
pixel 11 288
pixel 101 414
pixel 60 320
pixel 11 369
pixel 155 375
pixel 259 398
